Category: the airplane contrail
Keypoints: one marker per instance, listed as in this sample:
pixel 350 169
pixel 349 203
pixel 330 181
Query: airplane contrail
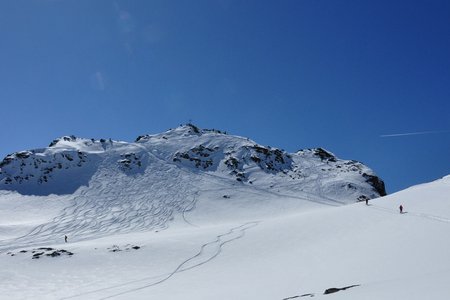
pixel 414 133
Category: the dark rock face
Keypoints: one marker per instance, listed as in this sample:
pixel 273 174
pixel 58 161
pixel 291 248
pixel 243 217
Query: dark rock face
pixel 327 292
pixel 71 162
pixel 199 156
pixel 361 173
pixel 71 138
pixel 131 162
pixel 324 155
pixel 376 182
pixel 270 160
pixel 335 290
pixel 194 128
pixel 41 252
pixel 128 247
pixel 33 172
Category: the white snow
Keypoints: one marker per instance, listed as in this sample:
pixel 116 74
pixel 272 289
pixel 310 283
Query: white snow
pixel 183 233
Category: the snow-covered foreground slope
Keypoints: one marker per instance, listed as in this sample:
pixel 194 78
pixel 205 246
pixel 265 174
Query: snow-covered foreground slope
pixel 88 188
pixel 199 214
pixel 251 244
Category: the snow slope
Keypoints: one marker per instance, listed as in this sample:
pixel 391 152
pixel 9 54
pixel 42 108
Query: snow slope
pixel 149 222
pixel 70 163
pixel 103 187
pixel 388 254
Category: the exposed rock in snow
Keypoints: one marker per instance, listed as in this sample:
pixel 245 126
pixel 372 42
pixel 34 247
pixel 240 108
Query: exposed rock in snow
pixel 42 252
pixel 259 218
pixel 70 162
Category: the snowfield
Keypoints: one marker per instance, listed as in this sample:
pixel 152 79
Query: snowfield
pixel 169 217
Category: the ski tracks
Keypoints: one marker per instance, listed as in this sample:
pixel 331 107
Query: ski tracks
pixel 117 203
pixel 414 214
pixel 206 253
pixel 189 208
pixel 429 217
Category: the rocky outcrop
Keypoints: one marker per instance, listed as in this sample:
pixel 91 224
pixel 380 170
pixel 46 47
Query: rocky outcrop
pixel 42 252
pixel 376 183
pixel 69 162
pixel 200 157
pixel 130 162
pixel 335 290
pixel 27 166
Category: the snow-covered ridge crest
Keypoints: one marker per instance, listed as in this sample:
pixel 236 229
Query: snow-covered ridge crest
pixel 181 131
pixel 71 162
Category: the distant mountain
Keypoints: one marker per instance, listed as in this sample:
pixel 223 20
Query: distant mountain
pixel 70 163
pixel 178 214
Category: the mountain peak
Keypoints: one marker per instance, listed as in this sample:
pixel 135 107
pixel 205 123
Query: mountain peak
pixel 180 131
pixel 71 162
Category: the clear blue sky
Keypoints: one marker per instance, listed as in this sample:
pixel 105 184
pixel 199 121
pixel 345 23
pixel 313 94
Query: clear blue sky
pixel 289 74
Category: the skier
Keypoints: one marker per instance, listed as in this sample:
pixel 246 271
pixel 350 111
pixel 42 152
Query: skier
pixel 367 201
pixel 401 208
pixel 65 238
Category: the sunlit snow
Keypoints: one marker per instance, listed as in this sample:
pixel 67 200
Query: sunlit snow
pixel 169 217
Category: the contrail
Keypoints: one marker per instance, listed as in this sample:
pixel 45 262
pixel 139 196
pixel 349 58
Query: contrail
pixel 414 133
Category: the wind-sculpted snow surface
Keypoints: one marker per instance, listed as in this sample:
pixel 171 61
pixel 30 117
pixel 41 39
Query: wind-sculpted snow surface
pixel 347 252
pixel 119 187
pixel 117 203
pixel 70 163
pixel 199 214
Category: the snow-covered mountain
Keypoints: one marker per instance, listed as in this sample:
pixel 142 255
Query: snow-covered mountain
pixel 215 251
pixel 199 214
pixel 159 177
pixel 70 163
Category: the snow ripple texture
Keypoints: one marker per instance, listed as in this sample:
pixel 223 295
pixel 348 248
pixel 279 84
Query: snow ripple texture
pixel 115 203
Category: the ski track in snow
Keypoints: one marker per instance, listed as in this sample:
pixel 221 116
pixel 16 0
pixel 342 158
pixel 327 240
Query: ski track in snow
pixel 207 252
pixel 98 212
pixel 189 208
pixel 299 194
pixel 143 203
pixel 414 214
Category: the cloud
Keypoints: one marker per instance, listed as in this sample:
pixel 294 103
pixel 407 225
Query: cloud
pixel 127 27
pixel 414 133
pixel 98 81
pixel 126 22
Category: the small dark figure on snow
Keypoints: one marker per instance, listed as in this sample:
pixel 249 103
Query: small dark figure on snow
pixel 65 238
pixel 401 208
pixel 367 201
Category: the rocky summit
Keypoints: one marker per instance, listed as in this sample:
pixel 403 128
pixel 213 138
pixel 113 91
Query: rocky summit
pixel 70 163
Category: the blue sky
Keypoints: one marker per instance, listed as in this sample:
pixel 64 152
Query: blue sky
pixel 289 74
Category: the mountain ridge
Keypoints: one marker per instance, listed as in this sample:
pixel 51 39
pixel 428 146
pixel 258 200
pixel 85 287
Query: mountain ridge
pixel 170 215
pixel 70 162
